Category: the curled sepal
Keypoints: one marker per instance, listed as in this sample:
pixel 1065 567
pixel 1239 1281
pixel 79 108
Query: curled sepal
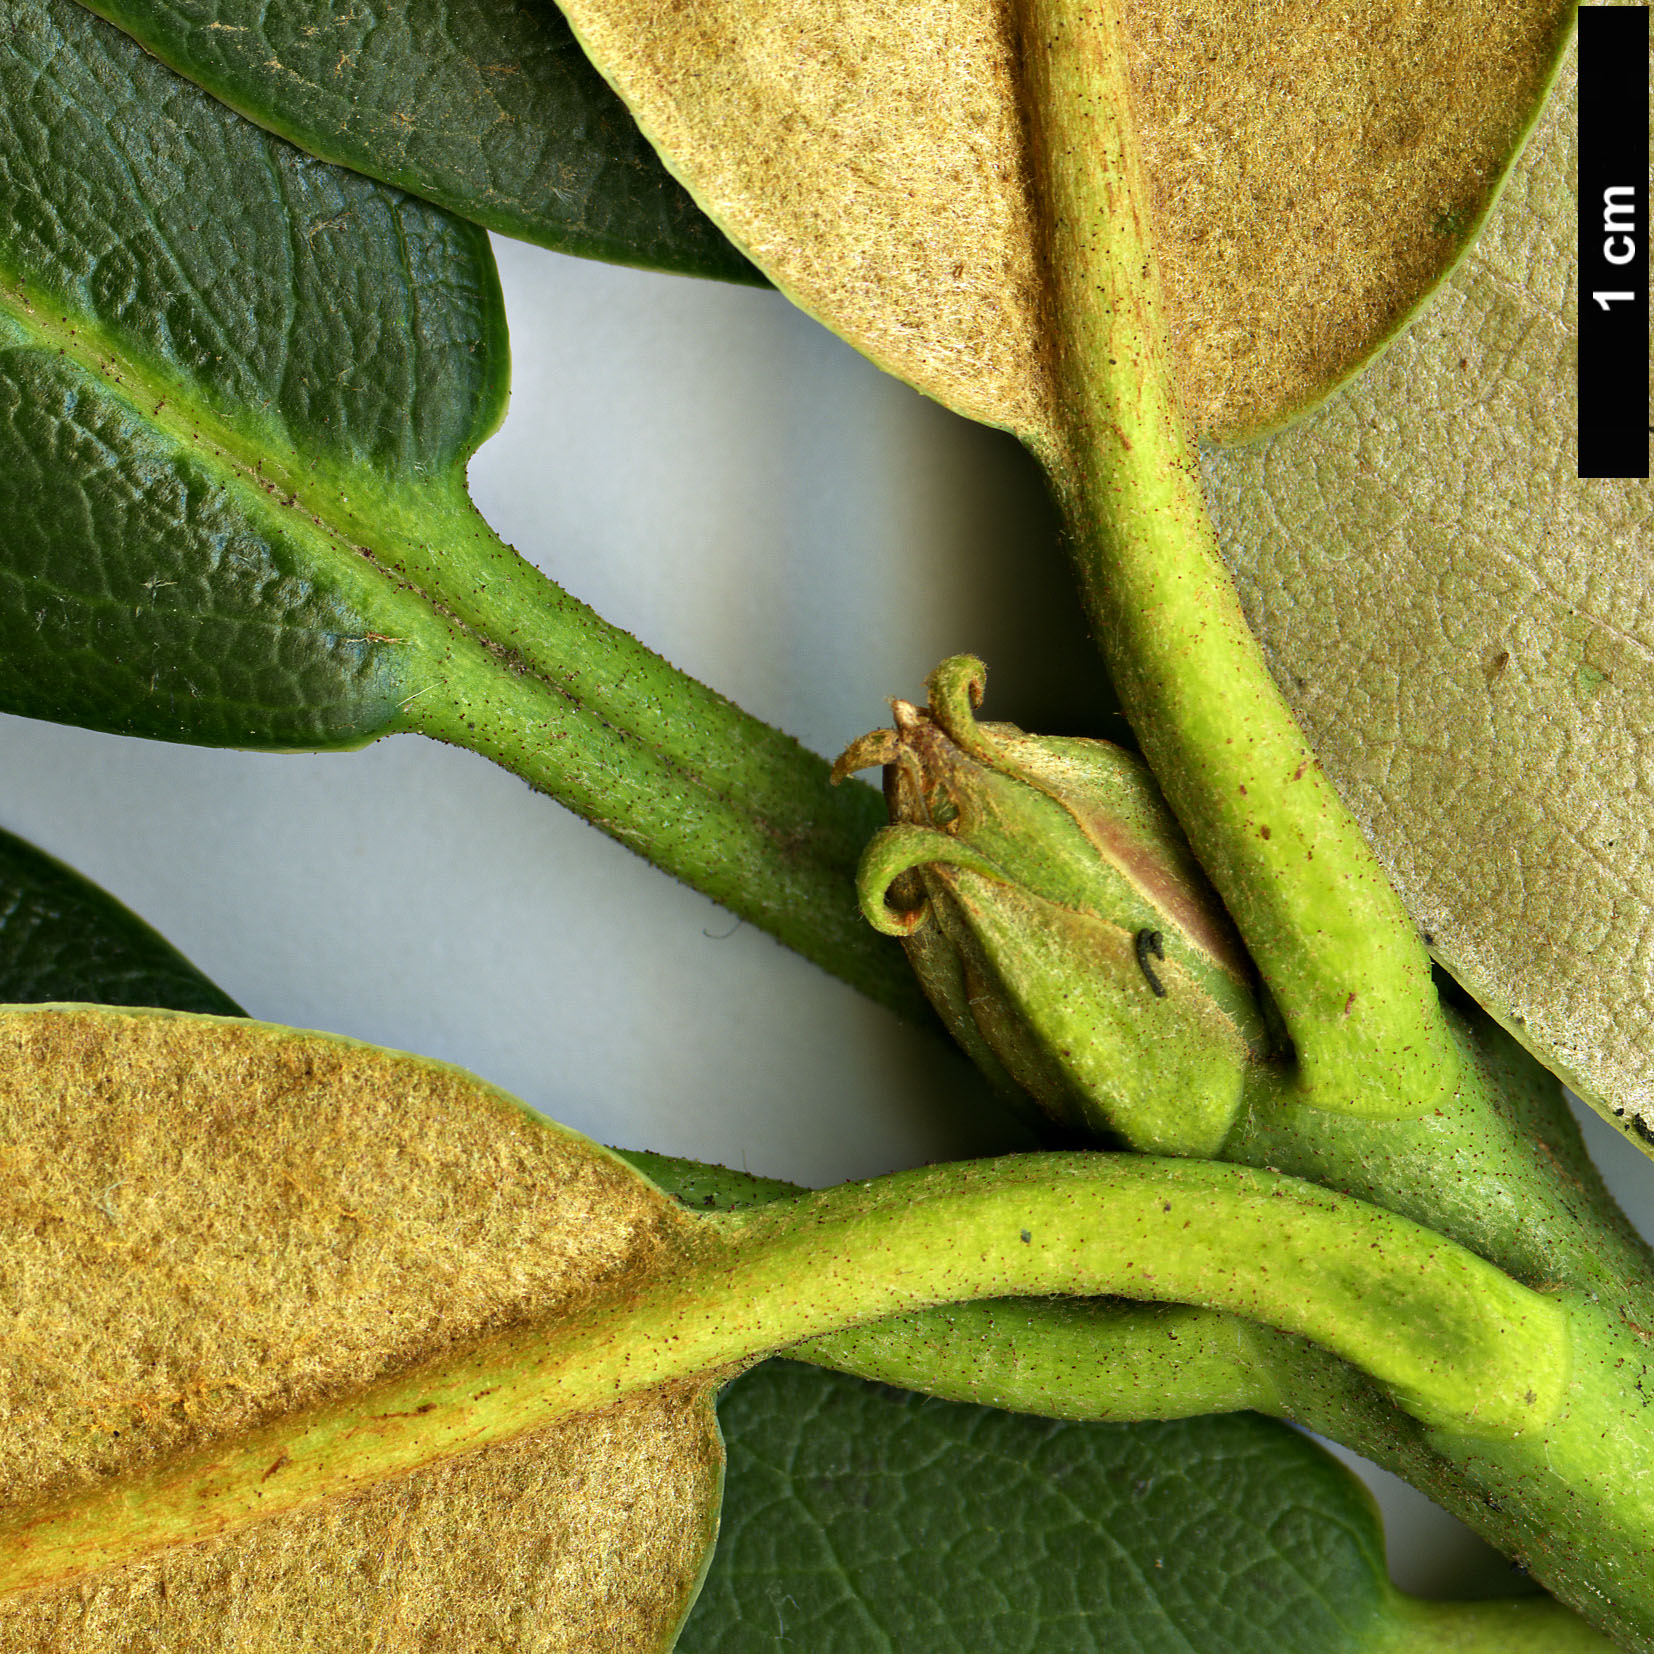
pixel 956 689
pixel 901 849
pixel 1059 923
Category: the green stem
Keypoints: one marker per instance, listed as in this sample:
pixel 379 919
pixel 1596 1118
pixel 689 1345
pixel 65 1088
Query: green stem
pixel 533 625
pixel 1453 1340
pixel 538 682
pixel 1061 1358
pixel 1504 1172
pixel 1508 1625
pixel 1087 1359
pixel 1318 913
pixel 472 616
pixel 1345 1275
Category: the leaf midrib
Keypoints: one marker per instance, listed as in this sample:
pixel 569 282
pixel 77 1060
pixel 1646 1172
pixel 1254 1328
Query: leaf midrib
pixel 256 460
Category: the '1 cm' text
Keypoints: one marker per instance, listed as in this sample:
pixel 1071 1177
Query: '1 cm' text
pixel 1619 222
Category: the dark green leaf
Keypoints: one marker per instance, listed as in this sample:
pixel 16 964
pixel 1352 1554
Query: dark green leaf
pixel 490 110
pixel 197 323
pixel 238 389
pixel 859 1519
pixel 62 938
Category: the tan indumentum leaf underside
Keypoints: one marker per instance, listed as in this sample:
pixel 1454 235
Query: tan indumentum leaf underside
pixel 1466 630
pixel 212 1224
pixel 1316 168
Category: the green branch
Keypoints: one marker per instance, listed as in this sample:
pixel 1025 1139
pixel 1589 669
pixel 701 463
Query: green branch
pixel 1072 1358
pixel 1506 1625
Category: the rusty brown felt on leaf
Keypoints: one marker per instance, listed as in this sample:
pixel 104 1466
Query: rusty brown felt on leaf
pixel 206 1235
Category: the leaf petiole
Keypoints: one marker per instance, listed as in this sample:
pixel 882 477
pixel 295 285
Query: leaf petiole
pixel 536 681
pixel 1328 933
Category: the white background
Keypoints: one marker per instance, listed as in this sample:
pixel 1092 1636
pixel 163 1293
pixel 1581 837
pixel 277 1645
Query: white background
pixel 714 472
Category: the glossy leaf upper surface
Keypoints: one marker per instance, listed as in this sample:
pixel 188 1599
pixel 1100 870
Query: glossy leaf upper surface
pixel 202 331
pixel 860 1517
pixel 1463 626
pixel 491 111
pixel 62 938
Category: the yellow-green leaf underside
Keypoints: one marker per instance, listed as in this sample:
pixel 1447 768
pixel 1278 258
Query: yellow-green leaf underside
pixel 1316 168
pixel 212 1225
pixel 1466 630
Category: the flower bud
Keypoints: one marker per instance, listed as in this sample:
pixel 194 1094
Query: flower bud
pixel 1059 923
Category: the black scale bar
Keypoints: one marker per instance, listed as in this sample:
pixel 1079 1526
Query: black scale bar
pixel 1613 241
